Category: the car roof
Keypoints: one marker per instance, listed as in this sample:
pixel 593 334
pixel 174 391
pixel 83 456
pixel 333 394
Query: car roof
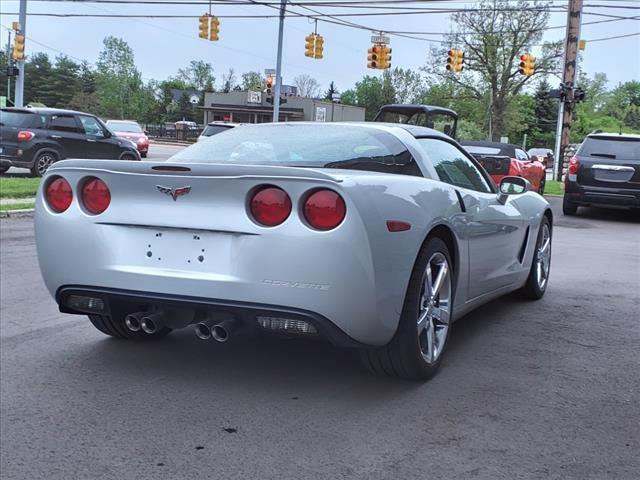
pixel 613 136
pixel 482 143
pixel 121 121
pixel 416 108
pixel 45 111
pixel 223 124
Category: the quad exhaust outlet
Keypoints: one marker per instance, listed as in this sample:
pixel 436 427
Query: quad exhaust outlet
pixel 152 323
pixel 219 331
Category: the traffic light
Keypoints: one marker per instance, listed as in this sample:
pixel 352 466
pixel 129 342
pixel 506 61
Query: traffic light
pixel 455 60
pixel 203 26
pixel 318 51
pixel 269 85
pixel 579 95
pixel 310 45
pixel 527 65
pixel 215 29
pixel 379 56
pixel 18 47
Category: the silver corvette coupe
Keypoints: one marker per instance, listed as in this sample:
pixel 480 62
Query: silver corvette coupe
pixel 374 236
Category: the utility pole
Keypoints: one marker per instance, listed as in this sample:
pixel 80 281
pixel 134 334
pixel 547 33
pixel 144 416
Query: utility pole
pixel 9 65
pixel 19 99
pixel 567 103
pixel 276 93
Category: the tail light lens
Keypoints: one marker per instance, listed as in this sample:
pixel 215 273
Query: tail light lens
pixel 324 209
pixel 96 196
pixel 270 206
pixel 25 136
pixel 573 165
pixel 58 194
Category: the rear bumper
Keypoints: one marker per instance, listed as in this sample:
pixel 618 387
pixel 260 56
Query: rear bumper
pixel 245 313
pixel 5 162
pixel 602 196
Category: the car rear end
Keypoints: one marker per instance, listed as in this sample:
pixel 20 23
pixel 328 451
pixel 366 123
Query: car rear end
pixel 271 248
pixel 605 172
pixel 21 133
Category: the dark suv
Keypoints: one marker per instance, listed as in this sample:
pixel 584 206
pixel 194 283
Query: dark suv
pixel 605 172
pixel 34 138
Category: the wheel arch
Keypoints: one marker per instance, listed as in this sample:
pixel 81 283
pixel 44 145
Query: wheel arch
pixel 549 214
pixel 48 149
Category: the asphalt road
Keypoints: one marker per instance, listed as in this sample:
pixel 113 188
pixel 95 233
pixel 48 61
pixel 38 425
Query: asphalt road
pixel 528 390
pixel 157 152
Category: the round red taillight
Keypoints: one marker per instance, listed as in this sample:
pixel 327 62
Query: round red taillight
pixel 324 209
pixel 58 194
pixel 270 206
pixel 96 196
pixel 25 136
pixel 573 165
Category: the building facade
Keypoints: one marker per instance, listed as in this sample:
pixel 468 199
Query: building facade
pixel 253 107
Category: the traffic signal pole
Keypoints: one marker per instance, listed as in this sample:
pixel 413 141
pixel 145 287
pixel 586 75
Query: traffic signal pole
pixel 276 93
pixel 567 103
pixel 19 98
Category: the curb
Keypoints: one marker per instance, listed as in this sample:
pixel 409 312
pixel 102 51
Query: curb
pixel 26 212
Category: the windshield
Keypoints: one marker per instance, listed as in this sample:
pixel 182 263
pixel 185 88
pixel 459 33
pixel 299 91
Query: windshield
pixel 322 145
pixel 128 127
pixel 540 151
pixel 627 148
pixel 213 129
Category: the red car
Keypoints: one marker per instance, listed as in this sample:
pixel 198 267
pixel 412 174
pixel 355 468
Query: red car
pixel 131 131
pixel 503 160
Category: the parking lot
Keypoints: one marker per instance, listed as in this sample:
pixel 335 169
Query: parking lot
pixel 528 390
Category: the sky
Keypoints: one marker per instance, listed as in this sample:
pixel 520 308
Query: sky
pixel 162 46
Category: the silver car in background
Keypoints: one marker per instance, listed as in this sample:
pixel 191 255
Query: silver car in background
pixel 373 236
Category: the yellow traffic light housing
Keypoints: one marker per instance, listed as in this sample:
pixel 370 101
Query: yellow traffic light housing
pixel 215 29
pixel 455 60
pixel 18 47
pixel 379 56
pixel 203 26
pixel 310 45
pixel 527 65
pixel 318 51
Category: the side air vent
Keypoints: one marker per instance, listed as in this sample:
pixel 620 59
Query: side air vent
pixel 523 248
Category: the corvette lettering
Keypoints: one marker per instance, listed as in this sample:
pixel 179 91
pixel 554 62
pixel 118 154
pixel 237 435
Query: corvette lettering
pixel 174 192
pixel 284 283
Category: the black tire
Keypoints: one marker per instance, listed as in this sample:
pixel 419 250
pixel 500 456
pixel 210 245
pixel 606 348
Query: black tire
pixel 534 289
pixel 42 162
pixel 568 207
pixel 128 156
pixel 542 185
pixel 117 328
pixel 143 154
pixel 403 356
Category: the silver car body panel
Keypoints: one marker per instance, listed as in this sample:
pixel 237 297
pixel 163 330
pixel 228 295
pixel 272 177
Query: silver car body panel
pixel 204 244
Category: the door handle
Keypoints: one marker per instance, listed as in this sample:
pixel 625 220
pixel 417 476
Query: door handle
pixel 55 137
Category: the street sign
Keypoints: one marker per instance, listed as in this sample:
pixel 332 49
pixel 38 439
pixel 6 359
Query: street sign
pixel 269 71
pixel 380 39
pixel 254 97
pixel 321 114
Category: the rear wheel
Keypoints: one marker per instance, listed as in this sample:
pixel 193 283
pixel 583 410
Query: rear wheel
pixel 568 207
pixel 540 268
pixel 115 327
pixel 128 156
pixel 42 163
pixel 416 350
pixel 143 154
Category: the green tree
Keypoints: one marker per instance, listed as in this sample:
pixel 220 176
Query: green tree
pixel 118 81
pixel 331 91
pixel 371 93
pixel 252 81
pixel 543 132
pixel 493 40
pixel 198 75
pixel 407 85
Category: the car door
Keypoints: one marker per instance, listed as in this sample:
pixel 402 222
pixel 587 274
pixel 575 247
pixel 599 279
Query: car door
pixel 65 130
pixel 99 143
pixel 494 230
pixel 530 169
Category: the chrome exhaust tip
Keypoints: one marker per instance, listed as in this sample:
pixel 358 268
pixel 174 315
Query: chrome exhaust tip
pixel 203 330
pixel 151 323
pixel 223 330
pixel 132 321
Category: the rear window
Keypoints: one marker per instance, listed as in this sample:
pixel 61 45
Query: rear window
pixel 21 119
pixel 481 150
pixel 611 147
pixel 320 146
pixel 213 129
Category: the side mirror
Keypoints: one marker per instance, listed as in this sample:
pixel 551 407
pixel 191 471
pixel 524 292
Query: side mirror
pixel 512 186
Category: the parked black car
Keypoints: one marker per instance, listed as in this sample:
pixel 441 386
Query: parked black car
pixel 34 138
pixel 605 172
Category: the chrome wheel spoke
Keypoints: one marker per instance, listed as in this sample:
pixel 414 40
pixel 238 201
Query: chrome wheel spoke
pixel 431 341
pixel 437 285
pixel 423 320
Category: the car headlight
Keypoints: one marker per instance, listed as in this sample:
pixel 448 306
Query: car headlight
pixel 142 140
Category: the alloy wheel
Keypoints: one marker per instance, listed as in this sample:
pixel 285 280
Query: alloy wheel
pixel 435 308
pixel 44 162
pixel 543 260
